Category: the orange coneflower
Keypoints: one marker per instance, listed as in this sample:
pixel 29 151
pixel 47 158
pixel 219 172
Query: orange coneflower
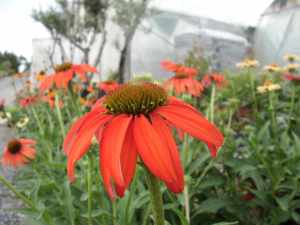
pixel 50 99
pixel 18 152
pixel 178 68
pixel 40 76
pixel 183 81
pixel 64 73
pixel 108 85
pixel 132 122
pixel 217 78
pixel 27 101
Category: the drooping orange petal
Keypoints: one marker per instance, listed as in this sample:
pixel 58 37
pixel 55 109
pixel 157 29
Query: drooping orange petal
pixel 112 142
pixel 189 120
pixel 80 145
pixel 153 150
pixel 128 161
pixel 46 83
pixel 165 133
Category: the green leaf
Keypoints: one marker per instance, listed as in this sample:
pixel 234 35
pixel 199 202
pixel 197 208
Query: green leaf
pixel 226 223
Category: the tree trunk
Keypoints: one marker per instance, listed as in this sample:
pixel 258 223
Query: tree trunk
pixel 101 49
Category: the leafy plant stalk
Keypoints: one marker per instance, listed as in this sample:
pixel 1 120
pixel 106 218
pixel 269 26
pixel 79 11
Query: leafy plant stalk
pixel 156 199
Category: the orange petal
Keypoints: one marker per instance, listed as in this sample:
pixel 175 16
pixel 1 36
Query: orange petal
pixel 81 143
pixel 113 137
pixel 153 150
pixel 187 118
pixel 165 133
pixel 128 161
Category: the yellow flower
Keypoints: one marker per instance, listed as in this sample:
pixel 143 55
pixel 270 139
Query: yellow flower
pixel 273 68
pixel 247 63
pixel 22 122
pixel 291 57
pixel 268 86
pixel 292 67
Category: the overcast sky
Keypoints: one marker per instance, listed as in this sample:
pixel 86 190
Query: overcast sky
pixel 18 28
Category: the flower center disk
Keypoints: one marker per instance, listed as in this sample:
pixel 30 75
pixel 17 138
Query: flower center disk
pixel 135 99
pixel 14 146
pixel 181 76
pixel 62 67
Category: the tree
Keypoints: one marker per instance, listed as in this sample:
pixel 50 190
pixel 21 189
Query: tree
pixel 128 15
pixel 10 63
pixel 79 22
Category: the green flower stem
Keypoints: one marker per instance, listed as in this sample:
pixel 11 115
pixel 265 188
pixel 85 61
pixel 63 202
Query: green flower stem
pixel 114 213
pixel 186 188
pixel 38 121
pixel 272 112
pixel 90 184
pixel 292 105
pixel 22 197
pixel 253 90
pixel 212 103
pixel 187 203
pixel 229 120
pixel 156 199
pixel 59 116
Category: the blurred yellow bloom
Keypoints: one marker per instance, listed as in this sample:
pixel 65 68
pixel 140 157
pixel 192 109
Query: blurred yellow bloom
pixel 291 57
pixel 292 67
pixel 247 63
pixel 268 86
pixel 273 68
pixel 22 122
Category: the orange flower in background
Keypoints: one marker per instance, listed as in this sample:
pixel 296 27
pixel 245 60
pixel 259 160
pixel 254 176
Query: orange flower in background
pixel 109 85
pixel 28 101
pixel 50 99
pixel 40 76
pixel 216 78
pixel 184 84
pixel 178 68
pixel 64 73
pixel 18 152
pixel 132 122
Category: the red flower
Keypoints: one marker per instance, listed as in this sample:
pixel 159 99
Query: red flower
pixel 64 73
pixel 134 121
pixel 291 77
pixel 25 102
pixel 108 86
pixel 178 68
pixel 184 84
pixel 217 78
pixel 18 152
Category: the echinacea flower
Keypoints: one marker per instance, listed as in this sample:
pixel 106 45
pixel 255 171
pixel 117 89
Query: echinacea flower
pixel 40 76
pixel 49 97
pixel 273 68
pixel 178 68
pixel 268 86
pixel 28 101
pixel 64 73
pixel 215 78
pixel 183 84
pixel 247 63
pixel 291 58
pixel 108 85
pixel 134 122
pixel 18 152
